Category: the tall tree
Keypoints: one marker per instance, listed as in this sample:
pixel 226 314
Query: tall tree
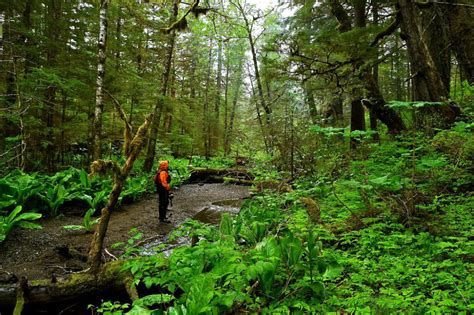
pixel 158 108
pixel 430 74
pixel 249 24
pixel 460 18
pixel 99 96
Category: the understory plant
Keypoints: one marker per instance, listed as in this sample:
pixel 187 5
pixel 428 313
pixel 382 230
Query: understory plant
pixel 395 236
pixel 16 218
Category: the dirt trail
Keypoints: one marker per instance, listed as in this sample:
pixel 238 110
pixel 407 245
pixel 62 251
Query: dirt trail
pixel 41 254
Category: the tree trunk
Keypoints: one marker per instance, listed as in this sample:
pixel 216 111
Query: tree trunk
pixel 313 112
pixel 226 101
pixel 159 105
pixel 253 51
pixel 63 290
pixel 259 116
pixel 376 102
pixel 375 73
pixel 461 25
pixel 230 131
pixel 357 119
pixel 435 31
pixel 99 95
pixel 132 148
pixel 206 117
pixel 428 85
pixel 427 80
pixel 261 97
pixel 215 121
pixel 357 109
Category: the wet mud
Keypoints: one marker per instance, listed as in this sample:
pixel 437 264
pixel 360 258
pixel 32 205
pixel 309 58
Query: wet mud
pixel 55 252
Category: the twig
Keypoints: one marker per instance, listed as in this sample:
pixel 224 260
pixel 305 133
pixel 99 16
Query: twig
pixel 13 148
pixel 110 254
pixel 147 240
pixel 67 308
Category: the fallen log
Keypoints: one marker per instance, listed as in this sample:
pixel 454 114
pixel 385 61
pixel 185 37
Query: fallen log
pixel 212 175
pixel 279 186
pixel 238 181
pixel 26 293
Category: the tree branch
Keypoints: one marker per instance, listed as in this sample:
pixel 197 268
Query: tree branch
pixel 181 23
pixel 388 31
pixel 128 128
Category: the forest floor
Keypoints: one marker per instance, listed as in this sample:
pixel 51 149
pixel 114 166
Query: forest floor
pixel 55 252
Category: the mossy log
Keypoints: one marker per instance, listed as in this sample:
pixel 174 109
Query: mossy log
pixel 279 186
pixel 60 290
pixel 314 212
pixel 213 175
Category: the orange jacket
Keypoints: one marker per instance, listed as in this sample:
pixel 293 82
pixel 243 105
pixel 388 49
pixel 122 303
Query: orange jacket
pixel 161 177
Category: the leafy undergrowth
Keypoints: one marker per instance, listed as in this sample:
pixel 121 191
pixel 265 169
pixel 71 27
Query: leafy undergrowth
pixel 396 237
pixel 28 196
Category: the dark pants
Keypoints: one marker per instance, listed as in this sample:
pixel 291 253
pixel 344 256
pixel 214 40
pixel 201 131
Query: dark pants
pixel 163 201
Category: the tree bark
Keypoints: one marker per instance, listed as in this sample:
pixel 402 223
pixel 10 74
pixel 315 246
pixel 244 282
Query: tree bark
pixel 230 131
pixel 427 79
pixel 99 95
pixel 206 116
pixel 132 148
pixel 217 105
pixel 375 73
pixel 159 105
pixel 313 112
pixel 44 291
pixel 357 109
pixel 357 119
pixel 428 85
pixel 253 51
pixel 461 25
pixel 226 100
pixel 375 102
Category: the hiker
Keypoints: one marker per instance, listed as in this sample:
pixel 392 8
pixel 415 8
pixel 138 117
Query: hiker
pixel 162 182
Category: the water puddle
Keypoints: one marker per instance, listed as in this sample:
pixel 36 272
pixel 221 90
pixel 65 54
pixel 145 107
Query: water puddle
pixel 211 214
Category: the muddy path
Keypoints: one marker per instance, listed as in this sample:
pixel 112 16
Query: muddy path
pixel 55 252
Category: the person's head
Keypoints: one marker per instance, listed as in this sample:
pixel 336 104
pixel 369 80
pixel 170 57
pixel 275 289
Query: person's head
pixel 164 165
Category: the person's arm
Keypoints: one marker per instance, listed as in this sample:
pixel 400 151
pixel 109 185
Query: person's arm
pixel 163 179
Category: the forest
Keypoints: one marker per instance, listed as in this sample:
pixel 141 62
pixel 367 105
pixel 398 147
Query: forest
pixel 321 157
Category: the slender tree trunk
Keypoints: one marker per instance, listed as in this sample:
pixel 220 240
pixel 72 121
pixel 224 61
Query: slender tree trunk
pixel 258 79
pixel 159 105
pixel 375 71
pixel 8 72
pixel 215 123
pixel 28 39
pixel 226 101
pixel 54 18
pixel 132 148
pixel 192 88
pixel 259 116
pixel 229 132
pixel 261 97
pixel 357 119
pixel 206 116
pixel 357 109
pixel 99 95
pixel 313 112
